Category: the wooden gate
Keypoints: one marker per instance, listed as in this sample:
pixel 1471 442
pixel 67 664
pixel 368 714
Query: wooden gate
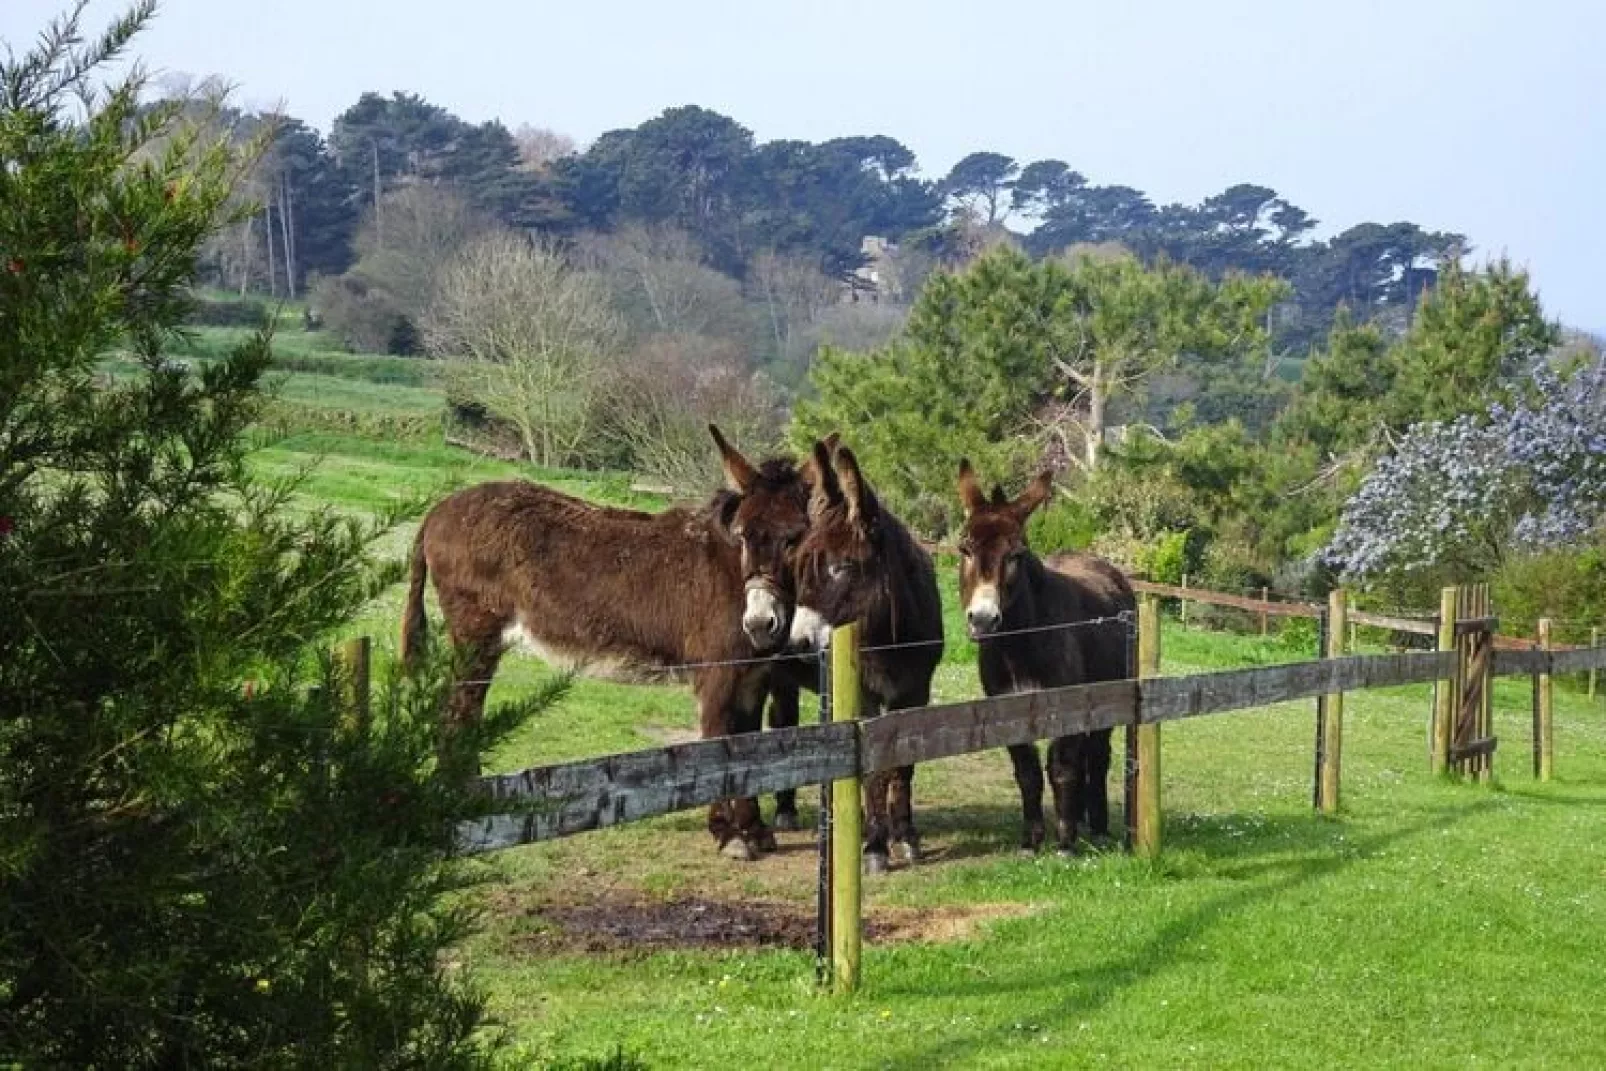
pixel 1472 741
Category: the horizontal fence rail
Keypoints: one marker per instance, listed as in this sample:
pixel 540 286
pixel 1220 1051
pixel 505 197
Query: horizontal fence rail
pixel 572 797
pixel 1415 626
pixel 1170 698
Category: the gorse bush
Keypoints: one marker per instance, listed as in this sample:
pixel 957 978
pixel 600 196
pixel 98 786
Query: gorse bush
pixel 189 876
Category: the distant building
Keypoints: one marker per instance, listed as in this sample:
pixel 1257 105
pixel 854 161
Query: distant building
pixel 875 279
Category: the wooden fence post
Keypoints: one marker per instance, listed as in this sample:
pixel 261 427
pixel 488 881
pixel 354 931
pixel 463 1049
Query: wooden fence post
pixel 1594 641
pixel 1265 621
pixel 356 656
pixel 847 826
pixel 1444 705
pixel 1544 709
pixel 1146 830
pixel 1183 611
pixel 1482 644
pixel 1333 708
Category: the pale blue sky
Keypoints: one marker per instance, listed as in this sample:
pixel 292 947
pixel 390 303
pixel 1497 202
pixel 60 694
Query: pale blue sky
pixel 1487 118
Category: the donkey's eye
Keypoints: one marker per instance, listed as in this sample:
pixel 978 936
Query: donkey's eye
pixel 964 550
pixel 837 571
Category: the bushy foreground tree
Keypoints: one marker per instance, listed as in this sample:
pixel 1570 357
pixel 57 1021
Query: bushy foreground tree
pixel 190 875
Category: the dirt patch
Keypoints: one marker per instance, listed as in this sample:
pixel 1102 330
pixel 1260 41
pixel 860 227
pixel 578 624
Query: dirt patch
pixel 618 925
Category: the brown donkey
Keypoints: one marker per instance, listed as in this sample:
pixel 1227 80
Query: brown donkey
pixel 1006 590
pixel 859 563
pixel 622 593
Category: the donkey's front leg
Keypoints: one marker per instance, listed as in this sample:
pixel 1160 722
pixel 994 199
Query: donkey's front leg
pixel 784 715
pixel 734 823
pixel 1029 779
pixel 900 804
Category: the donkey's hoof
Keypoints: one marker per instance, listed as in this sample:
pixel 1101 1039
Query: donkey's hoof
pixel 875 863
pixel 738 849
pixel 765 840
pixel 786 822
pixel 909 849
pixel 1068 851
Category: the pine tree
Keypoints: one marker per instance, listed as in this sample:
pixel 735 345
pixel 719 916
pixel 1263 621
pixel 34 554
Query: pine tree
pixel 189 874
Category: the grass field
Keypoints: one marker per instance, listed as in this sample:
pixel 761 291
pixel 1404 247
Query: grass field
pixel 1431 924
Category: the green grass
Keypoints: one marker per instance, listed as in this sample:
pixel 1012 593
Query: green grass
pixel 364 475
pixel 1432 924
pixel 360 396
pixel 313 352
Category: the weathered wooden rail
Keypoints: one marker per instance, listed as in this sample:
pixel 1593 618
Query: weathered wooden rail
pixel 568 798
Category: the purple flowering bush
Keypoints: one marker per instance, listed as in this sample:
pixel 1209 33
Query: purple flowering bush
pixel 1464 494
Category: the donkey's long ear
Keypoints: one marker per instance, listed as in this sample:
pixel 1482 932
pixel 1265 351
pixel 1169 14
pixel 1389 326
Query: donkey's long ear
pixel 739 472
pixel 832 441
pixel 824 491
pixel 969 490
pixel 1037 492
pixel 861 503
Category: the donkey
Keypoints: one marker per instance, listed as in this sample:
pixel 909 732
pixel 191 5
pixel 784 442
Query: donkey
pixel 859 563
pixel 624 594
pixel 1005 590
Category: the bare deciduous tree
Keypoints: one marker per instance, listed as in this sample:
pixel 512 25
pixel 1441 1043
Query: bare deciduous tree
pixel 793 293
pixel 662 286
pixel 660 404
pixel 528 337
pixel 538 147
pixel 425 225
pixel 857 325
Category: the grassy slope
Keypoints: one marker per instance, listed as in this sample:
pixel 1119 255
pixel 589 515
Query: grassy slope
pixel 1432 925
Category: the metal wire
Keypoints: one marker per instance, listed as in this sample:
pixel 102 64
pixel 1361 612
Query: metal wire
pixel 1004 634
pixel 651 668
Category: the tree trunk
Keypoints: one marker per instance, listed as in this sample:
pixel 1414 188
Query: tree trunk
pixel 245 254
pixel 1097 399
pixel 379 226
pixel 273 273
pixel 287 242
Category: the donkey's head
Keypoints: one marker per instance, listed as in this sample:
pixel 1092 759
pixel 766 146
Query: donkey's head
pixel 841 567
pixel 766 513
pixel 991 547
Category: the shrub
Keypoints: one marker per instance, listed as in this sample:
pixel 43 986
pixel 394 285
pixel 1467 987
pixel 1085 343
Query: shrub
pixel 365 317
pixel 1568 586
pixel 210 312
pixel 658 407
pixel 1063 524
pixel 1167 559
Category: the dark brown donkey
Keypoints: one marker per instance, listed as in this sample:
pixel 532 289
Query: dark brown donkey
pixel 1011 600
pixel 859 563
pixel 621 593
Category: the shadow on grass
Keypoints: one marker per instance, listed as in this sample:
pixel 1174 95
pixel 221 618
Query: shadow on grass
pixel 1528 795
pixel 1096 985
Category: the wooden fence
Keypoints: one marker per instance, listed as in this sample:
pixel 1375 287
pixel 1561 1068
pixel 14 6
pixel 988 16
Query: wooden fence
pixel 1265 607
pixel 567 798
pixel 573 797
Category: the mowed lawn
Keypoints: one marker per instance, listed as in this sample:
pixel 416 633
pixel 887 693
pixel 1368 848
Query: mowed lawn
pixel 1432 924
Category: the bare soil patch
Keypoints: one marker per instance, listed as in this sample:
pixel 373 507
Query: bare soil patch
pixel 623 924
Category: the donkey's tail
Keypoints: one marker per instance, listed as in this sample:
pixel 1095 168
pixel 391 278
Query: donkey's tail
pixel 415 622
